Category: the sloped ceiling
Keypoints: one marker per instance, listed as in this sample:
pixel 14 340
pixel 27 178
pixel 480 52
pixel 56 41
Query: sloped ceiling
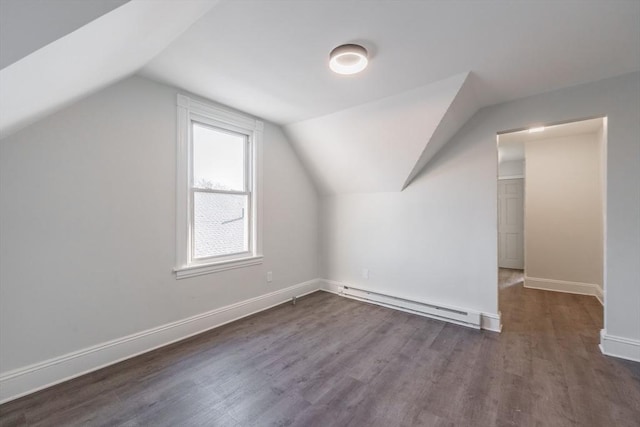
pixel 269 58
pixel 373 147
pixel 28 25
pixel 462 107
pixel 95 55
pixel 375 131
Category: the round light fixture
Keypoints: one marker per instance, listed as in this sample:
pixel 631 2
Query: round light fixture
pixel 348 59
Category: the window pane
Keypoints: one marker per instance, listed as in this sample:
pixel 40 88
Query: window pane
pixel 218 159
pixel 221 224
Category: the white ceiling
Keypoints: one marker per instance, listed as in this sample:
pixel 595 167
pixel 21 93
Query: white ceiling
pixel 511 145
pixel 270 58
pixel 373 147
pixel 376 130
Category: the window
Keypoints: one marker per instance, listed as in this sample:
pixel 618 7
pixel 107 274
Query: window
pixel 218 189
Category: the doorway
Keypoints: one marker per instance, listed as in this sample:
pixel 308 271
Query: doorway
pixel 551 199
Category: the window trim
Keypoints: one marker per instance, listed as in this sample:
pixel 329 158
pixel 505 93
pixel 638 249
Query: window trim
pixel 190 110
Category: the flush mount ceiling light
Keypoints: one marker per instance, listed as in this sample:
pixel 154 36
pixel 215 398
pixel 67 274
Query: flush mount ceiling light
pixel 348 59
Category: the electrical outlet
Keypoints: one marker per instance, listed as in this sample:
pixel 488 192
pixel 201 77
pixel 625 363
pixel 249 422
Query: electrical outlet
pixel 269 276
pixel 365 273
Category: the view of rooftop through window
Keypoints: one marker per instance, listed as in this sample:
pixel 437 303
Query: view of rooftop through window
pixel 221 196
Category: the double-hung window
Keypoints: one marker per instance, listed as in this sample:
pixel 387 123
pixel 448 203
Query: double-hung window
pixel 218 189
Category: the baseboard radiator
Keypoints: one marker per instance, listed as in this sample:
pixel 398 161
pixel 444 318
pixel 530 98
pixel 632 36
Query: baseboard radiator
pixel 449 314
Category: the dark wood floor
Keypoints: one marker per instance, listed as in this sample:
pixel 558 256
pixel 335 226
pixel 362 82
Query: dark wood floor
pixel 331 361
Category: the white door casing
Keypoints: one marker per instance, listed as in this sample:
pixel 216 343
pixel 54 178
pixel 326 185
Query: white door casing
pixel 511 223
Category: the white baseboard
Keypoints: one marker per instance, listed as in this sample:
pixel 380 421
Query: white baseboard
pixel 331 286
pixel 491 322
pixel 624 348
pixel 599 294
pixel 564 286
pixel 29 379
pixel 488 321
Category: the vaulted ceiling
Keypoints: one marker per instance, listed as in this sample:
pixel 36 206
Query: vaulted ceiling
pixel 103 51
pixel 378 145
pixel 28 25
pixel 432 65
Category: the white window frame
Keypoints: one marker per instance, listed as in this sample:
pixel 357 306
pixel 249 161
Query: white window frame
pixel 189 111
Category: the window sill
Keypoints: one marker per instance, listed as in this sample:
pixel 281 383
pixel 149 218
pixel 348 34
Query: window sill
pixel 199 270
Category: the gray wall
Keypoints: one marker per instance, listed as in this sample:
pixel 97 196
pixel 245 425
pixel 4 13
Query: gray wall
pixel 28 25
pixel 511 168
pixel 87 221
pixel 436 240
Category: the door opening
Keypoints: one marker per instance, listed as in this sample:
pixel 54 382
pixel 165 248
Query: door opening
pixel 551 208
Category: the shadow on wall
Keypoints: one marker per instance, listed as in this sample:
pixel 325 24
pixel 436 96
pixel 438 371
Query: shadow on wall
pixel 457 149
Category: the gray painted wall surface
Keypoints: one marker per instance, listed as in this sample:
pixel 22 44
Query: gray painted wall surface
pixel 87 221
pixel 28 25
pixel 436 240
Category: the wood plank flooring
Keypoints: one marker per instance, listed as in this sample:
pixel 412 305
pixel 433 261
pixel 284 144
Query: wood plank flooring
pixel 331 361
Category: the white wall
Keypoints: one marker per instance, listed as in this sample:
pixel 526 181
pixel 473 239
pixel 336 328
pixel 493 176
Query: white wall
pixel 511 168
pixel 437 239
pixel 563 218
pixel 87 220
